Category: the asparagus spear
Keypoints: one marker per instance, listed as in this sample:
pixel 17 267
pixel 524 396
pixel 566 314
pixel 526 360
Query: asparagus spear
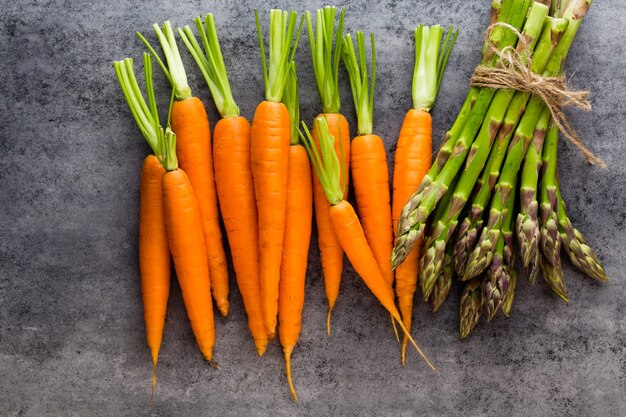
pixel 488 111
pixel 580 253
pixel 527 219
pixel 442 286
pixel 442 230
pixel 550 241
pixel 482 254
pixel 507 305
pixel 471 307
pixel 496 281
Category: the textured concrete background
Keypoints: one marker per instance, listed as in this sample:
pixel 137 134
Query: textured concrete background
pixel 71 329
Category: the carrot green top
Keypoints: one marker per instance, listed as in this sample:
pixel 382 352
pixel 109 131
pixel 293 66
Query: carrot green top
pixel 146 115
pixel 325 60
pixel 211 63
pixel 174 70
pixel 281 51
pixel 362 92
pixel 292 102
pixel 325 161
pixel 431 57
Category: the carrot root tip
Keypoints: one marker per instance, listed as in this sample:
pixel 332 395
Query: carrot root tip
pixel 395 329
pixel 330 310
pixel 224 307
pixel 287 353
pixel 261 347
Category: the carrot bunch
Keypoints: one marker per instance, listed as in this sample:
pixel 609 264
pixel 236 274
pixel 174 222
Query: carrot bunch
pixel 233 173
pixel 190 122
pixel 345 222
pixel 170 221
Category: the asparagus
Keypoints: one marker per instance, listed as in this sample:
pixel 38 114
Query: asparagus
pixel 527 223
pixel 579 252
pixel 507 305
pixel 471 225
pixel 482 254
pixel 443 230
pixel 496 281
pixel 471 307
pixel 432 261
pixel 550 241
pixel 442 285
pixel 487 115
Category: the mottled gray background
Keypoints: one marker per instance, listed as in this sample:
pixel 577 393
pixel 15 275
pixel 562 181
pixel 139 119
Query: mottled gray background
pixel 72 340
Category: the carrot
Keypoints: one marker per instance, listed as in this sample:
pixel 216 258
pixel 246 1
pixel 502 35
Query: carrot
pixel 413 156
pixel 346 223
pixel 369 159
pixel 233 174
pixel 326 69
pixel 183 222
pixel 297 233
pixel 154 252
pixel 269 155
pixel 190 122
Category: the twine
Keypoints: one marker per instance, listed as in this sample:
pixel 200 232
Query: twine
pixel 514 72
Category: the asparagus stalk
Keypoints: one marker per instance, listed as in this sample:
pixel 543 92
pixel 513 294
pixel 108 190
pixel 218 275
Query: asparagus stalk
pixel 482 254
pixel 496 281
pixel 471 307
pixel 443 230
pixel 579 252
pixel 487 116
pixel 550 241
pixel 527 219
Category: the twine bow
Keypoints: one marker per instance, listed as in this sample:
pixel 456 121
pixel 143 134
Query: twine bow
pixel 514 72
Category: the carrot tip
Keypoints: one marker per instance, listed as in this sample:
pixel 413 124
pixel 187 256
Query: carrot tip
pixel 292 389
pixel 260 349
pixel 224 307
pixel 330 310
pixel 395 329
pixel 403 351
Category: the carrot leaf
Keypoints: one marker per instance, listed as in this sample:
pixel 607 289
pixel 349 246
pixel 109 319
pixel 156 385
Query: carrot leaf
pixel 431 58
pixel 292 102
pixel 324 160
pixel 281 51
pixel 170 162
pixel 362 91
pixel 325 60
pixel 173 67
pixel 146 115
pixel 211 63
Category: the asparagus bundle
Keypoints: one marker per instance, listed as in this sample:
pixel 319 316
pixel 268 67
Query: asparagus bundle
pixel 502 147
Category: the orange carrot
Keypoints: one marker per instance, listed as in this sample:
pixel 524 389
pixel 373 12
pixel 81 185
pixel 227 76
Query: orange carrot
pixel 183 222
pixel 269 155
pixel 413 154
pixel 297 233
pixel 370 173
pixel 154 252
pixel 233 174
pixel 347 226
pixel 190 122
pixel 326 68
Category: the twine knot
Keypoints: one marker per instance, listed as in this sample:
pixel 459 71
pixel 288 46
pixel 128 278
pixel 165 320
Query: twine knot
pixel 514 72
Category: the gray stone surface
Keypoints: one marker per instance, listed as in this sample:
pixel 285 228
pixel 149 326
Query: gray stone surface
pixel 71 330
